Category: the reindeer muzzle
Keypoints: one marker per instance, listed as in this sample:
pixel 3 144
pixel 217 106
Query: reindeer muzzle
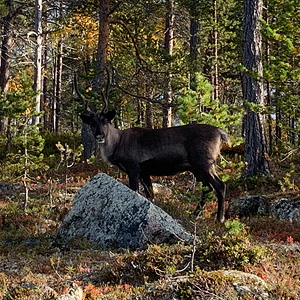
pixel 100 139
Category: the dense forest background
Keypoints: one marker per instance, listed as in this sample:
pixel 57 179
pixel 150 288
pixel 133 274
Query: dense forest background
pixel 165 63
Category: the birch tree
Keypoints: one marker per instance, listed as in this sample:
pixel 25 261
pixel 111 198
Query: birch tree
pixel 38 58
pixel 169 41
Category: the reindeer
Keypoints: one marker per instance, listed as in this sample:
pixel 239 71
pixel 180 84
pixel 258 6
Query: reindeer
pixel 142 152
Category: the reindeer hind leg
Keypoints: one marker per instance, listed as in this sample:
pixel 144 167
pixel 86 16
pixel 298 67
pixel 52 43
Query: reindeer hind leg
pixel 147 184
pixel 208 189
pixel 210 179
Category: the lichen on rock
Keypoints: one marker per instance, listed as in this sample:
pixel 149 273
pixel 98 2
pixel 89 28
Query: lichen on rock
pixel 108 213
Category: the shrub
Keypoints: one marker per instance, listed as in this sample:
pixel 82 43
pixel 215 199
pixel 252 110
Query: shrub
pixel 231 248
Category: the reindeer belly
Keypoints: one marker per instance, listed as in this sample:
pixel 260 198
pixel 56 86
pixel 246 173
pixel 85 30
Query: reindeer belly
pixel 165 167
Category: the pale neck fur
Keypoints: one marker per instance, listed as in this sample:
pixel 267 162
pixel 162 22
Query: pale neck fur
pixel 111 139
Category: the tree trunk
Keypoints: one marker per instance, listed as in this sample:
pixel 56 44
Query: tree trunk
pixel 89 142
pixel 269 103
pixel 38 59
pixel 45 107
pixel 255 142
pixel 57 76
pixel 57 95
pixel 268 88
pixel 149 115
pixel 194 53
pixel 169 35
pixel 216 54
pixel 53 103
pixel 278 131
pixel 7 42
pixel 103 39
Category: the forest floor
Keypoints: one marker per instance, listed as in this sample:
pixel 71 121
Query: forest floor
pixel 253 258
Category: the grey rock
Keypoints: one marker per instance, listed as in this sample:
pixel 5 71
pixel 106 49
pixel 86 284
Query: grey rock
pixel 245 206
pixel 286 209
pixel 247 285
pixel 280 208
pixel 6 188
pixel 111 215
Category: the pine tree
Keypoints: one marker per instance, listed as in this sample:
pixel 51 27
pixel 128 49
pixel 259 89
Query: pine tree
pixel 255 142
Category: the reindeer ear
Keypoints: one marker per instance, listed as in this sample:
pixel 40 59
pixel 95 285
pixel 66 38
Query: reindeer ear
pixel 86 119
pixel 110 115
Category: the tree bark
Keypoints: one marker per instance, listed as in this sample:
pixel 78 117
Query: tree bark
pixel 169 35
pixel 278 120
pixel 38 58
pixel 89 142
pixel 103 39
pixel 268 88
pixel 255 142
pixel 194 52
pixel 6 46
pixel 45 107
pixel 216 54
pixel 7 42
pixel 57 87
pixel 149 115
pixel 57 79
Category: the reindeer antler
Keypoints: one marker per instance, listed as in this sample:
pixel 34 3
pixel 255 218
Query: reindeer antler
pixel 104 95
pixel 81 97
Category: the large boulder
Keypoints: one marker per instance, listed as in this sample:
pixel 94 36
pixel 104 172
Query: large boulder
pixel 108 213
pixel 282 208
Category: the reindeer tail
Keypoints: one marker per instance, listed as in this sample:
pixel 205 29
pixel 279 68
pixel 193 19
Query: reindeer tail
pixel 225 137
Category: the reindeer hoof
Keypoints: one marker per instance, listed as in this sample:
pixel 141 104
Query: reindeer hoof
pixel 221 219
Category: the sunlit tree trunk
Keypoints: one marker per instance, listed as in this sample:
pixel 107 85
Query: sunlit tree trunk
pixel 103 39
pixel 7 41
pixel 45 99
pixel 57 77
pixel 255 142
pixel 38 58
pixel 216 54
pixel 278 120
pixel 169 42
pixel 6 46
pixel 194 52
pixel 57 87
pixel 268 88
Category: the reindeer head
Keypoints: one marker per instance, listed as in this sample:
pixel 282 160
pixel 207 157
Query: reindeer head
pixel 99 123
